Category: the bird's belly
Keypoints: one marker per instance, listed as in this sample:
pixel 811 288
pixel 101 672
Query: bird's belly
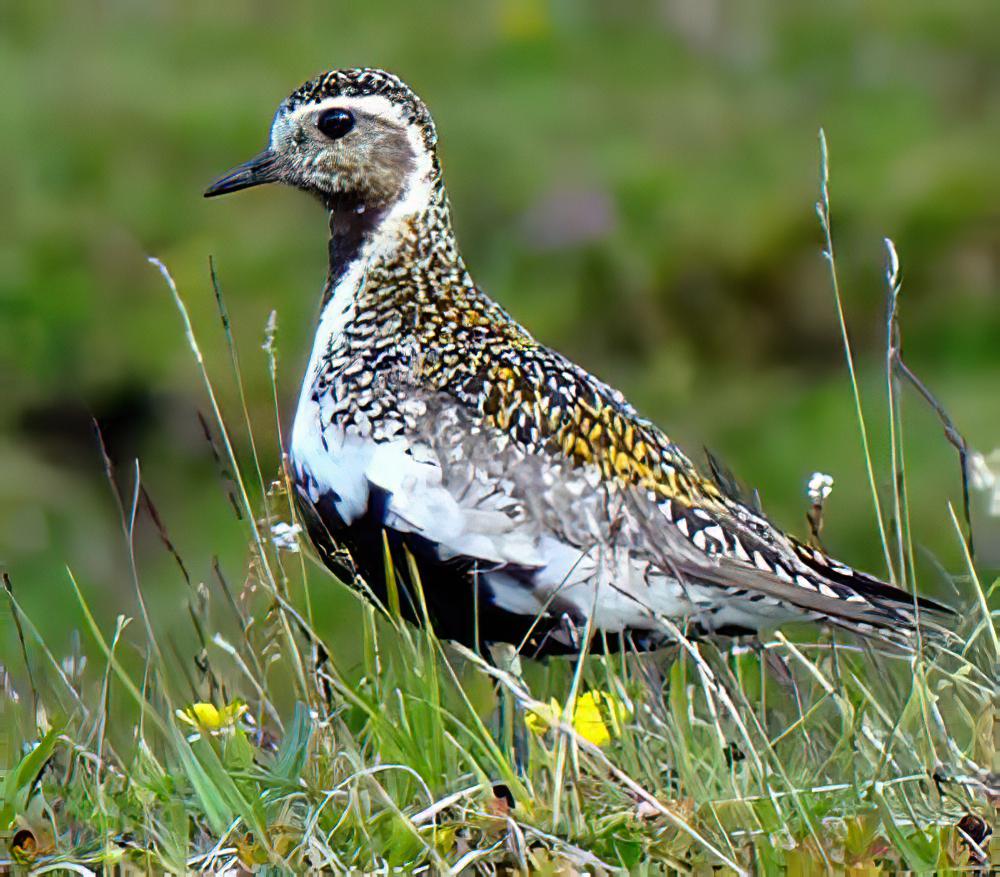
pixel 612 605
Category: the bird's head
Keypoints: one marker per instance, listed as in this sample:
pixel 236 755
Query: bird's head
pixel 357 139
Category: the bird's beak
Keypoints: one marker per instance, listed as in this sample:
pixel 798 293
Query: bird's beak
pixel 262 168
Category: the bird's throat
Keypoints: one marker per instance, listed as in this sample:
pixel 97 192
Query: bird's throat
pixel 398 238
pixel 353 223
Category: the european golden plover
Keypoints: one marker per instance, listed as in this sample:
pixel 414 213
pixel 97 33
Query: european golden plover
pixel 534 501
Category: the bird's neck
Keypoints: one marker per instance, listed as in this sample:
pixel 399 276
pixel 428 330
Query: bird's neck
pixel 410 237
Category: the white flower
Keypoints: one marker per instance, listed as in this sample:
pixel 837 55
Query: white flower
pixel 819 487
pixel 984 477
pixel 285 536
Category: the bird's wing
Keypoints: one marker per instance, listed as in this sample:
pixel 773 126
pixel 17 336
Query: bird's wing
pixel 751 559
pixel 553 485
pixel 555 410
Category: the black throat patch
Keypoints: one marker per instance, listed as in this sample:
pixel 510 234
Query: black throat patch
pixel 352 223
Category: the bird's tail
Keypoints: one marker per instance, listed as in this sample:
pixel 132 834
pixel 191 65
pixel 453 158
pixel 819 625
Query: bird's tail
pixel 887 608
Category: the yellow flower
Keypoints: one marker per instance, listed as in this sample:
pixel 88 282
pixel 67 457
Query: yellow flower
pixel 209 717
pixel 540 720
pixel 598 716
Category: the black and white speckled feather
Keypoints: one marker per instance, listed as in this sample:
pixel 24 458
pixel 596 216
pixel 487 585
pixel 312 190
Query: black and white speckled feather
pixel 534 499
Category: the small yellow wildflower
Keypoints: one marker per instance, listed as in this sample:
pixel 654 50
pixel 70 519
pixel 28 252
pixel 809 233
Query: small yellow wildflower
pixel 445 838
pixel 209 717
pixel 598 716
pixel 539 720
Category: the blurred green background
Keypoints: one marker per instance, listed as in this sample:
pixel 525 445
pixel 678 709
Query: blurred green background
pixel 634 181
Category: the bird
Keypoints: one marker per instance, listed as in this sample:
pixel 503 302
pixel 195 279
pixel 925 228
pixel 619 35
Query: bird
pixel 444 459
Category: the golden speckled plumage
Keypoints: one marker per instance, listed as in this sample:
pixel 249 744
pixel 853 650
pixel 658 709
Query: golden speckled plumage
pixel 528 491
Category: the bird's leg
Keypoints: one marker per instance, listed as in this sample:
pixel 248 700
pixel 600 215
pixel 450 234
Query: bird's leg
pixel 511 730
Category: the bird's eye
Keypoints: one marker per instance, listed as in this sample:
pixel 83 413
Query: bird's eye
pixel 335 123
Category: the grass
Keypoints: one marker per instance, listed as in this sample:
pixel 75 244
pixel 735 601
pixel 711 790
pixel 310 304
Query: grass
pixel 807 752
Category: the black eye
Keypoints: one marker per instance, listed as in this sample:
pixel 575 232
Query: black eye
pixel 335 123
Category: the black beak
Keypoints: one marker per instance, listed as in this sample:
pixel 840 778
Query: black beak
pixel 260 169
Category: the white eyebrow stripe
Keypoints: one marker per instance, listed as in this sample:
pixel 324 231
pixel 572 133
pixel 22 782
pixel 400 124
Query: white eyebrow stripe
pixel 373 104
